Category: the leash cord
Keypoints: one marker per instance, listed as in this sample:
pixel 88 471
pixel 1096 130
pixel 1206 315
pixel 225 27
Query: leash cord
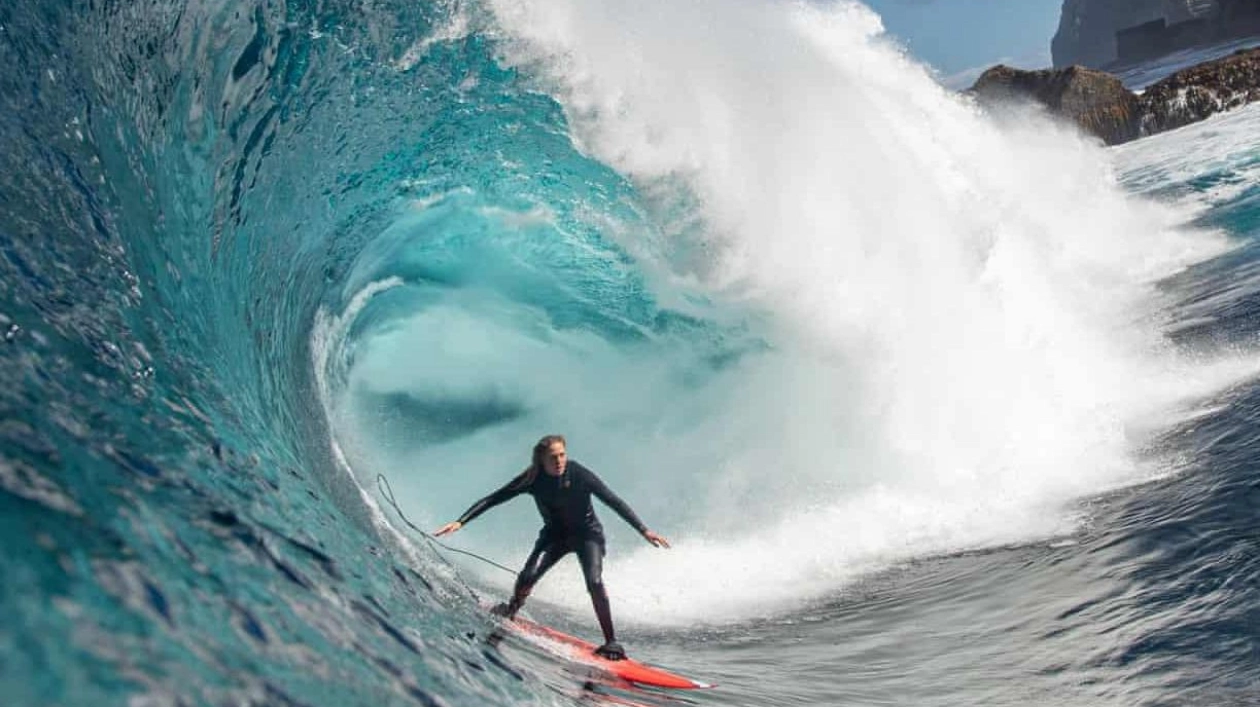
pixel 382 484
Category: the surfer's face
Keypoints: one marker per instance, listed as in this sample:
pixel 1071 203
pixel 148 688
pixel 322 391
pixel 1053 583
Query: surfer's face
pixel 554 459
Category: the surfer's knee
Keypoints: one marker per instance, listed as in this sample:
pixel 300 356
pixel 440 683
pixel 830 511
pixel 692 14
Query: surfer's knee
pixel 597 589
pixel 526 580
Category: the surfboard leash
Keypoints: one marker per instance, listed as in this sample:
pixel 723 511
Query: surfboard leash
pixel 382 485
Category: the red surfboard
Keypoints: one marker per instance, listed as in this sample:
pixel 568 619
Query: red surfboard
pixel 579 651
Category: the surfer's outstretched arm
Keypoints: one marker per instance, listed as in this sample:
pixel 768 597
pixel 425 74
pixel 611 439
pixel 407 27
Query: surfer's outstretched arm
pixel 613 501
pixel 510 490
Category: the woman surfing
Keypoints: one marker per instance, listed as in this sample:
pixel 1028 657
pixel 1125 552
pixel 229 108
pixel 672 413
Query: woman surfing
pixel 562 490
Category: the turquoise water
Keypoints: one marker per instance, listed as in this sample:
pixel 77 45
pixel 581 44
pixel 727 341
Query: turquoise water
pixel 936 410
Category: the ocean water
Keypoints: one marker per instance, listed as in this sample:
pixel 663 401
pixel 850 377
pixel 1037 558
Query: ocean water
pixel 937 408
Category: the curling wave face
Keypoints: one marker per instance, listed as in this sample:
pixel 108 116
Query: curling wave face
pixel 255 255
pixel 184 187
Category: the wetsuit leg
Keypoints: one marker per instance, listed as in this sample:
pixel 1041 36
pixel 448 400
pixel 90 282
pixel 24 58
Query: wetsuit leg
pixel 591 554
pixel 547 552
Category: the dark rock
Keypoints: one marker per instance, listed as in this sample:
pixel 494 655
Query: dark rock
pixel 1190 95
pixel 1096 101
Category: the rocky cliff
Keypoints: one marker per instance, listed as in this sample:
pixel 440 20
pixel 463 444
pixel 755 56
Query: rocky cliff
pixel 1087 28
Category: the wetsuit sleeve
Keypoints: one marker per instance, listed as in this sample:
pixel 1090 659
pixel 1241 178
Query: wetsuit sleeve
pixel 613 501
pixel 510 490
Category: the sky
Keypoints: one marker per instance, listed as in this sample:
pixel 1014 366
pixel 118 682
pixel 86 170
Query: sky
pixel 962 38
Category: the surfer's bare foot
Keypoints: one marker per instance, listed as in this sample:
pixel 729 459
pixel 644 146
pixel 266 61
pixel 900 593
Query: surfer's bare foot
pixel 611 651
pixel 502 609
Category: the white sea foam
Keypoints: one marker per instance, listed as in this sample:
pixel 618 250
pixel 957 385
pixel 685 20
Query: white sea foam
pixel 1222 148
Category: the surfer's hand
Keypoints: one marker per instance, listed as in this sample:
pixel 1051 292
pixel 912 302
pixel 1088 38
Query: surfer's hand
pixel 655 539
pixel 448 528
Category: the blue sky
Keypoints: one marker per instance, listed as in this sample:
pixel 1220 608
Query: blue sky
pixel 961 38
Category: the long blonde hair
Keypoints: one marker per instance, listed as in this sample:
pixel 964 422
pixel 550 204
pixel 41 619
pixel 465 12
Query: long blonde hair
pixel 536 460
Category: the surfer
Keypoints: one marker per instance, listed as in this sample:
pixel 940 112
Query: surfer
pixel 562 490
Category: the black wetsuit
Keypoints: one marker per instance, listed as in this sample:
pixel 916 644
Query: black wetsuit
pixel 569 525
